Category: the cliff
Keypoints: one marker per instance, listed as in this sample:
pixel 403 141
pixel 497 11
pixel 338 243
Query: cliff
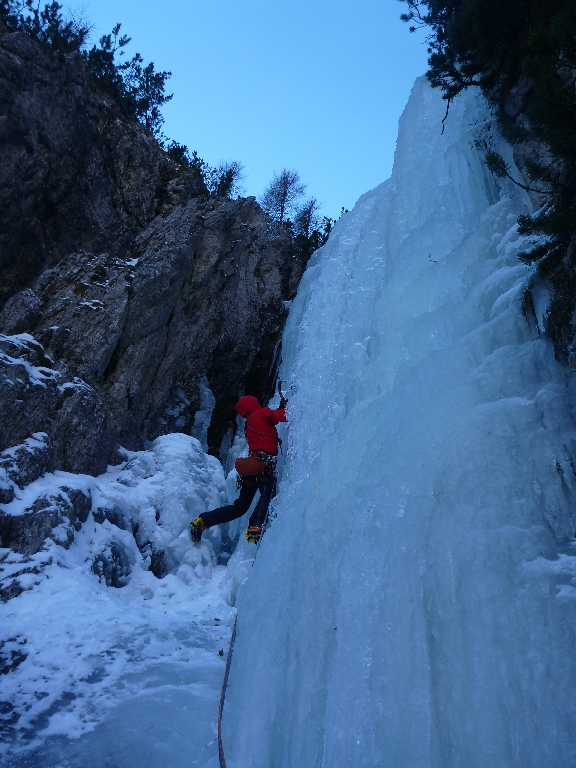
pixel 126 289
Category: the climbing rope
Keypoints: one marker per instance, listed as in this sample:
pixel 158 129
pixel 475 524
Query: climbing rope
pixel 227 669
pixel 223 694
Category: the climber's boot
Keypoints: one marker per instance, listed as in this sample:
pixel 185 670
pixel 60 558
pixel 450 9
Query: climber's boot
pixel 196 529
pixel 253 533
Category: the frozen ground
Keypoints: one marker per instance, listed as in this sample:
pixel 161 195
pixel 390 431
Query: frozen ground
pixel 125 676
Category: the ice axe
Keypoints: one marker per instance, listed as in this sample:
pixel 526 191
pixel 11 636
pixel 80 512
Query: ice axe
pixel 283 400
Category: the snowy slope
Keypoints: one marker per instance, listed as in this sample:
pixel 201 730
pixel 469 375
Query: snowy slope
pixel 413 604
pixel 129 676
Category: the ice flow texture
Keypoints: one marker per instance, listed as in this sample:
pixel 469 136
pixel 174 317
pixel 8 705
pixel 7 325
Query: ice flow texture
pixel 413 604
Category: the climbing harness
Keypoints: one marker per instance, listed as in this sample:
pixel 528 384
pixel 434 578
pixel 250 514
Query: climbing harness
pixel 253 469
pixel 221 756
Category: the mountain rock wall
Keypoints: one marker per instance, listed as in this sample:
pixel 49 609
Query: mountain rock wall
pixel 74 173
pixel 128 294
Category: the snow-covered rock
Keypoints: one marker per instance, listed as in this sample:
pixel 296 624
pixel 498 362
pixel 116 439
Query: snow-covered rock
pixel 108 602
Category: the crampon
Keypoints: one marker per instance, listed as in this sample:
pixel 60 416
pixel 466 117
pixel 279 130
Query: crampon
pixel 253 533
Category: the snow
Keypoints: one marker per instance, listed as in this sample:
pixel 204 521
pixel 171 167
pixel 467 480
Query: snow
pixel 36 374
pixel 412 605
pixel 35 442
pixel 105 665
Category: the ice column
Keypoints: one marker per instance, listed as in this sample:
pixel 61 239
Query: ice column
pixel 413 604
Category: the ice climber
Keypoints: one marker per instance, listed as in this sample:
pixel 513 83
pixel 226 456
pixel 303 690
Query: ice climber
pixel 263 441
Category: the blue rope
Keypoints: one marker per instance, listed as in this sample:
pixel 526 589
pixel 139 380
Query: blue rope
pixel 227 670
pixel 223 694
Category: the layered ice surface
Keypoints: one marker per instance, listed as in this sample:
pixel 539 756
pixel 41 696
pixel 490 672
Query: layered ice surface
pixel 413 604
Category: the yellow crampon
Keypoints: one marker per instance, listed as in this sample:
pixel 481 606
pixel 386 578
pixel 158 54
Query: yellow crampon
pixel 253 533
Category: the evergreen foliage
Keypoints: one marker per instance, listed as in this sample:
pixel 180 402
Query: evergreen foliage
pixel 46 24
pixel 223 180
pixel 144 92
pixel 137 87
pixel 101 61
pixel 180 154
pixel 522 54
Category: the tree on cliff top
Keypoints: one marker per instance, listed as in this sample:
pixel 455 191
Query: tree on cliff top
pixel 144 88
pixel 281 200
pixel 281 194
pixel 310 231
pixel 139 89
pixel 46 24
pixel 306 219
pixel 225 179
pixel 222 180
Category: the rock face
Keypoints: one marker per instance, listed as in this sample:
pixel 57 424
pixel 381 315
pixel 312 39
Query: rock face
pixel 135 290
pixel 54 516
pixel 201 297
pixel 74 174
pixel 36 399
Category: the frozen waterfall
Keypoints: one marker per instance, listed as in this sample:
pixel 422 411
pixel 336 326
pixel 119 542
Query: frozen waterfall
pixel 413 603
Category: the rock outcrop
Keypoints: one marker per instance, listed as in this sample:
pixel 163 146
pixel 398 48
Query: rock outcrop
pixel 36 399
pixel 75 175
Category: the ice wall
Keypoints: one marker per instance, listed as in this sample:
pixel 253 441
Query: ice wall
pixel 413 604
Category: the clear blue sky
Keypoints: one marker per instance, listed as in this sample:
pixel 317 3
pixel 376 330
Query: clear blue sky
pixel 311 85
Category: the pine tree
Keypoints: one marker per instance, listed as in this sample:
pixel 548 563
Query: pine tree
pixel 102 64
pixel 306 218
pixel 145 90
pixel 225 180
pixel 46 24
pixel 521 52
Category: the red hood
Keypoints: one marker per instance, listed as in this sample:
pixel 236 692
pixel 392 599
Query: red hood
pixel 247 405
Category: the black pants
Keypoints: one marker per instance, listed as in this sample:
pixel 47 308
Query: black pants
pixel 266 486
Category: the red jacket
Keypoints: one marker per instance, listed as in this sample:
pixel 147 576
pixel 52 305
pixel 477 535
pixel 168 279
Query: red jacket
pixel 260 424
